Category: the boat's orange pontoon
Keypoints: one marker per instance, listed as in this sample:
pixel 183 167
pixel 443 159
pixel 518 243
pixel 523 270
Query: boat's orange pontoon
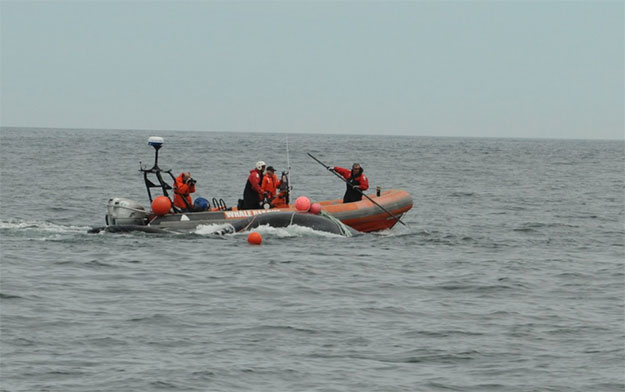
pixel 365 216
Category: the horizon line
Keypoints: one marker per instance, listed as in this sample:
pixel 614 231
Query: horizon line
pixel 379 133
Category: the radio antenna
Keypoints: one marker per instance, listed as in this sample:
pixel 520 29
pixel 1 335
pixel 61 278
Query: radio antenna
pixel 288 171
pixel 288 161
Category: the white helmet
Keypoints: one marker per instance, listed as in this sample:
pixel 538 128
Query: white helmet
pixel 260 165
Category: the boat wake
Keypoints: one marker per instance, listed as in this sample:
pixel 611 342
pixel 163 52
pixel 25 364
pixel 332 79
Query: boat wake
pixel 39 230
pixel 293 231
pixel 214 229
pixel 17 225
pixel 399 231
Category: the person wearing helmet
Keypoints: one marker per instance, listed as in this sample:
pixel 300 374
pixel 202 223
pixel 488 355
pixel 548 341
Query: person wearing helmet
pixel 253 193
pixel 357 182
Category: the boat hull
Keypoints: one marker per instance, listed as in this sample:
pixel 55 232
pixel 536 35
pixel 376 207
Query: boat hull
pixel 363 215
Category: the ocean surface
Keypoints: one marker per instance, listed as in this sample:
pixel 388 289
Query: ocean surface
pixel 508 277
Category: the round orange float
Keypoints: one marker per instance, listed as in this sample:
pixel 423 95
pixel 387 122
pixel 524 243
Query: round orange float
pixel 161 205
pixel 302 203
pixel 315 208
pixel 254 238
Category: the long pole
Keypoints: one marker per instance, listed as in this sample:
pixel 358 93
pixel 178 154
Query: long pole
pixel 361 192
pixel 288 172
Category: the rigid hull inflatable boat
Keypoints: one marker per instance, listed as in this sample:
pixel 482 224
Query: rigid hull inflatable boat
pixel 377 211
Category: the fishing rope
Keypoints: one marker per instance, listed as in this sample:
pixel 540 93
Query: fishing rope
pixel 250 223
pixel 346 232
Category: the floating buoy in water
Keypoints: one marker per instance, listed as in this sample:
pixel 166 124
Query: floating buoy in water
pixel 302 204
pixel 254 238
pixel 161 205
pixel 315 208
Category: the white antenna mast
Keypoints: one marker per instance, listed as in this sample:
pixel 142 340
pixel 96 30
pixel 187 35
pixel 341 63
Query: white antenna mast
pixel 288 169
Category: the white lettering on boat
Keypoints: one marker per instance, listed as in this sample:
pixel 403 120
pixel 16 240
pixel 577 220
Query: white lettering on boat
pixel 245 213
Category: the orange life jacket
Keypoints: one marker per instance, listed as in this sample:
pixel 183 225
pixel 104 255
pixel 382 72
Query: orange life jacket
pixel 182 190
pixel 270 183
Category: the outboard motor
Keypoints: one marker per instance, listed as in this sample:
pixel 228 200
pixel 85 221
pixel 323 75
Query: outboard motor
pixel 124 212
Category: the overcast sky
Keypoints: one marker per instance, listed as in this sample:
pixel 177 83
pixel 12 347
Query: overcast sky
pixel 472 68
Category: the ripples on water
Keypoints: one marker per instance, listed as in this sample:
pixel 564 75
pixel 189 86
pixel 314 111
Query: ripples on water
pixel 509 277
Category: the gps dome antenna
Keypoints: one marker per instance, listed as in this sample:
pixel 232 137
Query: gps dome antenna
pixel 157 143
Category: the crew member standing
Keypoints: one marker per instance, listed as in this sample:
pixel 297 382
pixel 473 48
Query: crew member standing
pixel 357 182
pixel 270 182
pixel 270 186
pixel 253 193
pixel 185 185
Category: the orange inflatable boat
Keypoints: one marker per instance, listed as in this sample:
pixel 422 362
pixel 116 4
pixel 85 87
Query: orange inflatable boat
pixel 373 213
pixel 366 216
pixel 363 215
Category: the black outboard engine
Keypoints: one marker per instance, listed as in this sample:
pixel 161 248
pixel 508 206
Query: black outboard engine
pixel 285 186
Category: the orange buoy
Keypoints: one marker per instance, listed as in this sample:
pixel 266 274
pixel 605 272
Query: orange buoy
pixel 302 204
pixel 254 238
pixel 315 208
pixel 161 205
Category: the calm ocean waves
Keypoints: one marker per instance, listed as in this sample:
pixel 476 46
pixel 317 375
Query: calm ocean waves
pixel 510 276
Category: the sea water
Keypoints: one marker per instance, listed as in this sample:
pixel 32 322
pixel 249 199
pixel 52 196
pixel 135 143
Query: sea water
pixel 508 276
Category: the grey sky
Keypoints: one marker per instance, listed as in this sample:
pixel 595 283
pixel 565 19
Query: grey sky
pixel 518 69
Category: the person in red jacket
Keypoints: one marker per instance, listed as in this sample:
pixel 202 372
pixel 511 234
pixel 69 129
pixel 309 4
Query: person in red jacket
pixel 357 182
pixel 185 185
pixel 253 193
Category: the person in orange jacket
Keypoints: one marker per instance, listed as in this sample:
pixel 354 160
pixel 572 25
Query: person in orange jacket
pixel 270 182
pixel 357 182
pixel 185 185
pixel 270 186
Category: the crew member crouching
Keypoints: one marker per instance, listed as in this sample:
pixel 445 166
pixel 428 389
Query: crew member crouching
pixel 184 186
